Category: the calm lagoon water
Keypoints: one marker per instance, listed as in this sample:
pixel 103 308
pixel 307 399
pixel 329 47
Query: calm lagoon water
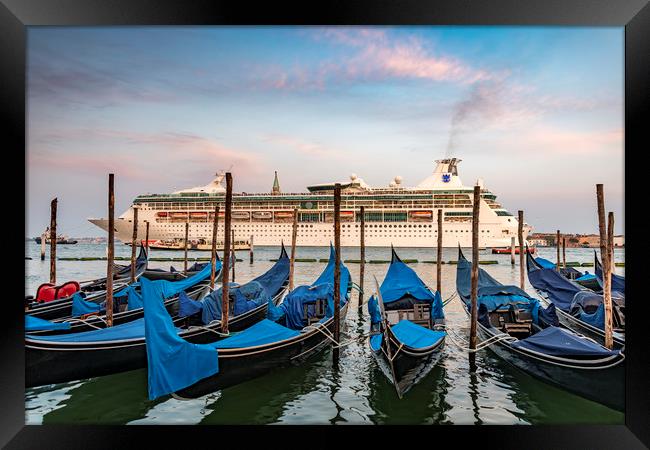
pixel 316 393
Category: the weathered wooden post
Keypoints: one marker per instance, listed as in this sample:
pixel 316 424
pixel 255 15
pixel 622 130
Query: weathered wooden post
pixel 43 240
pixel 134 242
pixel 337 271
pixel 146 236
pixel 439 254
pixel 53 241
pixel 564 252
pixel 362 254
pixel 474 277
pixel 294 238
pixel 226 255
pixel 512 251
pixel 557 247
pixel 213 259
pixel 232 252
pixel 250 250
pixel 110 249
pixel 187 233
pixel 610 243
pixel 607 279
pixel 520 231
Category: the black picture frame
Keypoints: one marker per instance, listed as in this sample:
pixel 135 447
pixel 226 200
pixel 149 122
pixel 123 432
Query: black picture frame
pixel 634 15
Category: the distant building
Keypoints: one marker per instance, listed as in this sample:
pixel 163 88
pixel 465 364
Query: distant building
pixel 619 241
pixel 539 242
pixel 276 185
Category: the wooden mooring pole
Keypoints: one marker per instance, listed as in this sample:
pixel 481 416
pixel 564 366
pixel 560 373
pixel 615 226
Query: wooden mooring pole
pixel 362 253
pixel 564 252
pixel 213 259
pixel 110 250
pixel 294 238
pixel 226 255
pixel 43 240
pixel 604 256
pixel 146 236
pixel 512 251
pixel 557 247
pixel 520 232
pixel 134 242
pixel 337 272
pixel 53 205
pixel 439 254
pixel 187 233
pixel 250 251
pixel 232 252
pixel 474 276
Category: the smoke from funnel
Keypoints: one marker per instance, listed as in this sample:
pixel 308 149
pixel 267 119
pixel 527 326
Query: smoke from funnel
pixel 481 102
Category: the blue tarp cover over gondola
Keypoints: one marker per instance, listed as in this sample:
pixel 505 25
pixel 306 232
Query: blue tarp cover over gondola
pixel 167 288
pixel 263 332
pixel 403 282
pixel 36 324
pixel 246 297
pixel 416 336
pixel 559 290
pixel 618 282
pixel 291 307
pixel 173 363
pixel 560 342
pixel 128 330
pixel 493 295
pixel 80 306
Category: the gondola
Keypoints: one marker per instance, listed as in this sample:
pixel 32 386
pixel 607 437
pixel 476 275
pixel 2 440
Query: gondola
pixel 618 281
pixel 577 308
pixel 407 326
pixel 296 329
pixel 75 356
pixel 586 279
pixel 526 335
pixel 127 304
pixel 172 274
pixel 94 291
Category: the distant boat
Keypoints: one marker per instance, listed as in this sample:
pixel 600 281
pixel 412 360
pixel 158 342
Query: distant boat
pixel 193 244
pixel 506 250
pixel 60 239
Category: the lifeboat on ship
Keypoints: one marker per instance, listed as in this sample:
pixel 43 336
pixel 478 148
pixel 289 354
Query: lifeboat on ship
pixel 421 215
pixel 199 215
pixel 284 214
pixel 240 215
pixel 161 214
pixel 178 215
pixel 262 215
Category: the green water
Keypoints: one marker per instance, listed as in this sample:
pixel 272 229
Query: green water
pixel 314 392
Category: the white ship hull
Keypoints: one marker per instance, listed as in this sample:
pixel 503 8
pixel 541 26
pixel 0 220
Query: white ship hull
pixel 395 215
pixel 377 234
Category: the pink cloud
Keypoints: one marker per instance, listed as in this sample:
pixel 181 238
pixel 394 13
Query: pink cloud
pixel 379 56
pixel 305 147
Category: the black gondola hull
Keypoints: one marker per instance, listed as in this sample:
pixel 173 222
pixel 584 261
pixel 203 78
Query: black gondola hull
pixel 49 363
pixel 603 385
pixel 579 326
pixel 239 365
pixel 409 365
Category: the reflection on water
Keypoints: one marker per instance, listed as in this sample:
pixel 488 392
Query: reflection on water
pixel 315 392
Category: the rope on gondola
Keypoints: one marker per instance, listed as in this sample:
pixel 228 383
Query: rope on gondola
pixel 330 336
pixel 486 343
pixel 193 327
pixel 357 287
pixel 450 298
pixel 86 323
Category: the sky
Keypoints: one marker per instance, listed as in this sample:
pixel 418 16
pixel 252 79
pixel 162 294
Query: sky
pixel 536 112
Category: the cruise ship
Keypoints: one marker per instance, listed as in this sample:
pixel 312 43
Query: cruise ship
pixel 395 214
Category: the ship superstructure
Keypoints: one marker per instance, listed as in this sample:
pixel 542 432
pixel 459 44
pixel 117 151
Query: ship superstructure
pixel 397 215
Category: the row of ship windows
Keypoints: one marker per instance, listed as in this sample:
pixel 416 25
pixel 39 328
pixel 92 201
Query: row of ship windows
pixel 182 227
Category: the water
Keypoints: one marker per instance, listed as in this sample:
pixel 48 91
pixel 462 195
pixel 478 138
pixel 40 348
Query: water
pixel 314 392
